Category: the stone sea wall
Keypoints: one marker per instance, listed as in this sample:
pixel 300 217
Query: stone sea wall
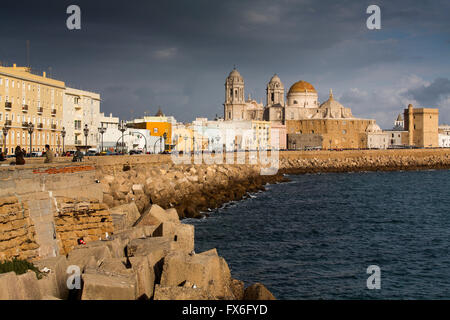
pixel 364 160
pixel 45 209
pixel 190 189
pixel 17 233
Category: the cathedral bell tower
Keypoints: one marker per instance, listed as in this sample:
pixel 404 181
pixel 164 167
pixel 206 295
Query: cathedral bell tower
pixel 234 96
pixel 275 92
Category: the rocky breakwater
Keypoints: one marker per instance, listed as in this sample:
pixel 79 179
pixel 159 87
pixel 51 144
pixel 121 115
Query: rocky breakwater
pixel 149 256
pixel 351 161
pixel 191 189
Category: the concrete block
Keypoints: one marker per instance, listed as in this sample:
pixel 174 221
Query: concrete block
pixel 54 283
pixel 180 293
pixel 103 287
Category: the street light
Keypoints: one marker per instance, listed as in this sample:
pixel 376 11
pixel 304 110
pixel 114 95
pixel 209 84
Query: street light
pixel 63 134
pixel 165 140
pixel 102 130
pixel 5 133
pixel 122 128
pixel 86 132
pixel 30 132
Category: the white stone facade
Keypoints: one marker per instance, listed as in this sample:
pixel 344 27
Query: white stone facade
pixel 80 108
pixel 376 138
pixel 444 136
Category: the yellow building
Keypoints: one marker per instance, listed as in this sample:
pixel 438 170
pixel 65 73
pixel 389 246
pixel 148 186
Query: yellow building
pixel 183 138
pixel 422 125
pixel 261 135
pixel 157 127
pixel 25 98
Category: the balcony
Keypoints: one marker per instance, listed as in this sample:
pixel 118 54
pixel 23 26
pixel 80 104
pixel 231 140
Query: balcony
pixel 8 105
pixel 77 106
pixel 8 123
pixel 25 108
pixel 40 110
pixel 24 124
pixel 54 112
pixel 40 126
pixel 53 127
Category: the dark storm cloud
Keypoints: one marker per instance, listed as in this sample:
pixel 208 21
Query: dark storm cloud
pixel 431 95
pixel 176 54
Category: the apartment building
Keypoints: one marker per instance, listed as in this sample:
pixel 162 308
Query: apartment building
pixel 81 111
pixel 27 98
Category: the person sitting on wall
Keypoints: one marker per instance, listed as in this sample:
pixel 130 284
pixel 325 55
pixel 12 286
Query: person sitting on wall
pixel 78 156
pixel 20 156
pixel 48 154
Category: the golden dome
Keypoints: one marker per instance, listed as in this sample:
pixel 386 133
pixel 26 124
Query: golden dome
pixel 302 86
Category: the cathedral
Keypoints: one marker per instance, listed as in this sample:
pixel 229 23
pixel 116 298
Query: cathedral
pixel 301 102
pixel 307 123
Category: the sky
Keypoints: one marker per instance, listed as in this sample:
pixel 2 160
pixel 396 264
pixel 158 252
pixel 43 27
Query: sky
pixel 142 55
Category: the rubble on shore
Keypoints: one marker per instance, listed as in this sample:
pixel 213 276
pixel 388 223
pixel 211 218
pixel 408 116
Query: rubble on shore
pixel 153 259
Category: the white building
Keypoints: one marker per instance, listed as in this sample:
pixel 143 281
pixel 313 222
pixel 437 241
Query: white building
pixel 376 138
pixel 232 135
pixel 81 108
pixel 444 136
pixel 111 134
pixel 134 139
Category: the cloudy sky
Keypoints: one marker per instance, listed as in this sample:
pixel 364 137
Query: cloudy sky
pixel 140 55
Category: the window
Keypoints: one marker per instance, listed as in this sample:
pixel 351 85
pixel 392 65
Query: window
pixel 295 101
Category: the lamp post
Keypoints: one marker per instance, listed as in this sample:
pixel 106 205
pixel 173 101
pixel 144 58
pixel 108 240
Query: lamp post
pixel 30 130
pixel 86 132
pixel 165 140
pixel 5 130
pixel 122 128
pixel 102 130
pixel 63 134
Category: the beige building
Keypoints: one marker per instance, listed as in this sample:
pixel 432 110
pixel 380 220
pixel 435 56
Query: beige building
pixel 24 98
pixel 235 106
pixel 335 125
pixel 81 108
pixel 422 125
